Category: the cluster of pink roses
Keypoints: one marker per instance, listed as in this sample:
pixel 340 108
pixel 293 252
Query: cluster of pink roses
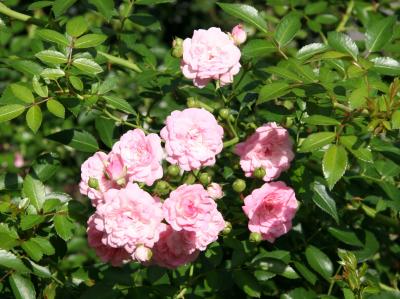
pixel 128 223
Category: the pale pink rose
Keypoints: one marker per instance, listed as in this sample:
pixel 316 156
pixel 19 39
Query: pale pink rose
pixel 238 34
pixel 210 54
pixel 129 218
pixel 19 160
pixel 210 231
pixel 175 248
pixel 215 191
pixel 115 170
pixel 192 138
pixel 141 155
pixel 270 147
pixel 115 256
pixel 93 179
pixel 270 210
pixel 143 254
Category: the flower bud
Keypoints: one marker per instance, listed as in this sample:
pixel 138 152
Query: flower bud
pixel 162 187
pixel 143 254
pixel 204 178
pixel 191 102
pixel 259 173
pixel 177 47
pixel 93 183
pixel 227 229
pixel 174 170
pixel 238 34
pixel 239 185
pixel 215 191
pixel 224 113
pixel 255 237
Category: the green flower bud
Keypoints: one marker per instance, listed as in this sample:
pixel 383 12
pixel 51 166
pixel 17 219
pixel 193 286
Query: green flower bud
pixel 162 188
pixel 204 178
pixel 174 170
pixel 239 185
pixel 259 173
pixel 177 48
pixel 191 102
pixel 93 183
pixel 227 229
pixel 255 237
pixel 224 113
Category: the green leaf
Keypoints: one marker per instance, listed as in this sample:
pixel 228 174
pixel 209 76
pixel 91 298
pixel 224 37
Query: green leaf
pixel 310 50
pixel 257 48
pixel 89 40
pixel 82 141
pixel 283 72
pixel 343 43
pixel 51 56
pixel 77 26
pixel 306 273
pixel 45 245
pixel 34 118
pixel 32 250
pixel 152 2
pixel 52 74
pixel 61 6
pixel 25 66
pixel 315 8
pixel 8 112
pixel 324 201
pixel 334 164
pixel 7 239
pixel 347 237
pixel 39 4
pixel 321 120
pixel 104 7
pixel 45 166
pixel 379 34
pixel 396 120
pixel 29 221
pixel 11 261
pixel 87 65
pixel 22 92
pixel 303 70
pixel 248 283
pixel 52 36
pixel 119 104
pixel 319 261
pixel 287 29
pixel 40 90
pixel 358 97
pixel 386 66
pixel 40 271
pixel 146 20
pixel 272 91
pixel 76 82
pixel 10 181
pixel 120 61
pixel 56 108
pixel 63 227
pixel 246 13
pixel 316 141
pixel 34 190
pixel 22 287
pixel 105 128
pixel 359 150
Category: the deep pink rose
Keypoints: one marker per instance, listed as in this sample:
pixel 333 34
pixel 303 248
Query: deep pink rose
pixel 215 191
pixel 210 54
pixel 115 256
pixel 93 179
pixel 192 138
pixel 129 218
pixel 175 248
pixel 270 210
pixel 238 34
pixel 141 155
pixel 270 147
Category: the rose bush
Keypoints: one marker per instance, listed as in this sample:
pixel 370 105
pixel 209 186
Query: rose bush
pixel 176 149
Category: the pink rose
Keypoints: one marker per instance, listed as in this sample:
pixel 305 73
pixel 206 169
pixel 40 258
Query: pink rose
pixel 143 254
pixel 93 179
pixel 270 210
pixel 215 191
pixel 270 147
pixel 19 160
pixel 141 155
pixel 210 231
pixel 192 138
pixel 115 170
pixel 129 218
pixel 238 34
pixel 210 54
pixel 175 248
pixel 115 256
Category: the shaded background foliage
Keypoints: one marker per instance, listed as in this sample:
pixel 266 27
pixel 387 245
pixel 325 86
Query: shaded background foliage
pixel 339 99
